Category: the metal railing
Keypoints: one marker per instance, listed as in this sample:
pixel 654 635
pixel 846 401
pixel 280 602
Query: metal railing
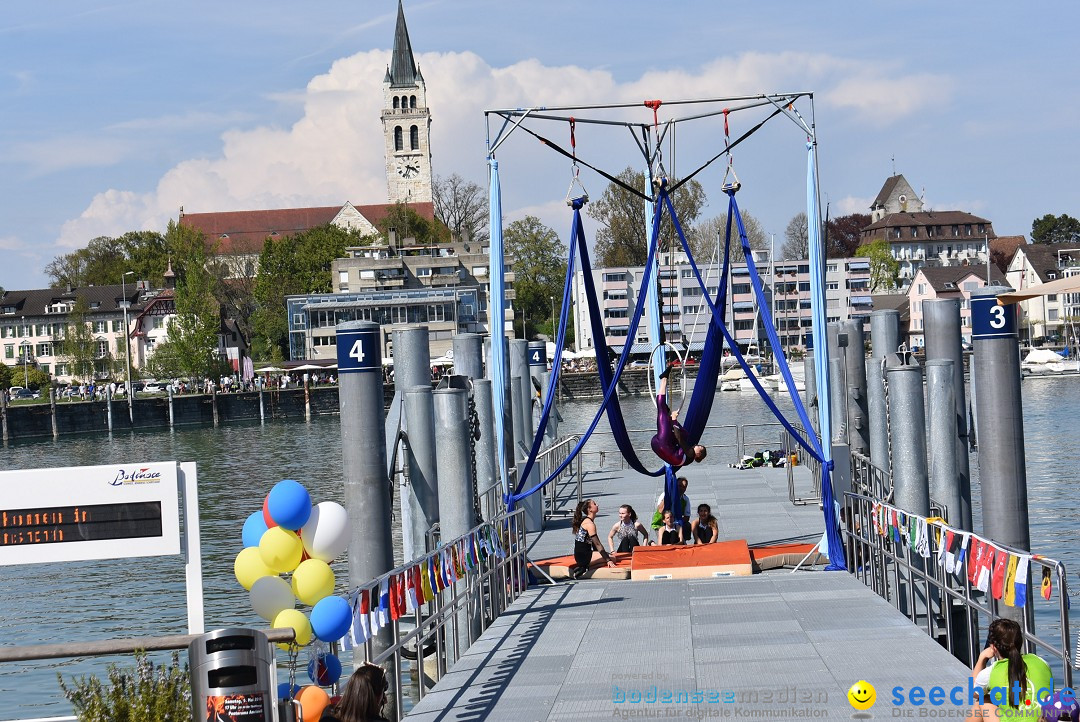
pixel 560 490
pixel 870 479
pixel 447 625
pixel 938 600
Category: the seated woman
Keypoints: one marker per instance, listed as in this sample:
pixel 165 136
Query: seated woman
pixel 670 442
pixel 705 528
pixel 623 537
pixel 1001 666
pixel 363 698
pixel 585 539
pixel 669 533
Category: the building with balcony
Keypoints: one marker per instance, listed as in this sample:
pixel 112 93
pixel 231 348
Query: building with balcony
pixel 445 287
pixel 685 313
pixel 1045 319
pixel 946 282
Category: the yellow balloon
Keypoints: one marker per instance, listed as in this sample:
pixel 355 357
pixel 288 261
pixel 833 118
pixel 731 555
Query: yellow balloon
pixel 249 567
pixel 312 581
pixel 295 619
pixel 281 549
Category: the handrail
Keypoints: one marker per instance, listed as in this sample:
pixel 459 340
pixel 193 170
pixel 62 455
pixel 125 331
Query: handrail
pixel 457 615
pixel 104 647
pixel 886 567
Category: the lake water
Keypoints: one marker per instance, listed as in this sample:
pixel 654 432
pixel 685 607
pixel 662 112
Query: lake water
pixel 237 465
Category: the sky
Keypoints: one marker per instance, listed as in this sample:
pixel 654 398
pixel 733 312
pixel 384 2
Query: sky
pixel 114 116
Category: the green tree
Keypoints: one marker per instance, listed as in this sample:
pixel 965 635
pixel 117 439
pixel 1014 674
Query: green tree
pixel 461 206
pixel 39 379
pixel 1055 229
pixel 407 223
pixel 195 330
pixel 6 374
pixel 539 269
pixel 104 260
pixel 622 239
pixel 883 267
pixel 290 266
pixel 78 347
pixel 796 239
pixel 165 362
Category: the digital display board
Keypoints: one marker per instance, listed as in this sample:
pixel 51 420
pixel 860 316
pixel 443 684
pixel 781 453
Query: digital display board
pixel 89 522
pixel 89 512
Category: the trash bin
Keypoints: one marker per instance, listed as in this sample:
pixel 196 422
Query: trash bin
pixel 233 676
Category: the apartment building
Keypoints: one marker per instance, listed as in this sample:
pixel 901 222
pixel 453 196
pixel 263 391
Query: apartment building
pixel 946 282
pixel 685 313
pixel 1045 317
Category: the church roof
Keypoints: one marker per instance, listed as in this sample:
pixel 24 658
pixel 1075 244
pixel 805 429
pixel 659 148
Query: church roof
pixel 926 218
pixel 886 190
pixel 403 72
pixel 239 232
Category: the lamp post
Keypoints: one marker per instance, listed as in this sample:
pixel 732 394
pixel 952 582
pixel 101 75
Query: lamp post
pixel 124 303
pixel 554 331
pixel 24 347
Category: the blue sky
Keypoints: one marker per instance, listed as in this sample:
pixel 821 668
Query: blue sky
pixel 113 117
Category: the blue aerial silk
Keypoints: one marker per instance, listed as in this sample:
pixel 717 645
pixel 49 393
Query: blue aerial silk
pixel 497 324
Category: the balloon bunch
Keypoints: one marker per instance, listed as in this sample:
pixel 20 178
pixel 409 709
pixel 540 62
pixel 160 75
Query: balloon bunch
pixel 290 536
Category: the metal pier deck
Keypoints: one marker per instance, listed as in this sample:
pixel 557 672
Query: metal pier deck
pixel 775 645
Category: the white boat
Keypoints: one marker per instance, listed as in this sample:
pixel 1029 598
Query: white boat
pixel 732 379
pixel 1044 362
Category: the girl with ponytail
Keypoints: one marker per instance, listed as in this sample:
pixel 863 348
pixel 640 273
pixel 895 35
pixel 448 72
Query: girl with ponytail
pixel 585 539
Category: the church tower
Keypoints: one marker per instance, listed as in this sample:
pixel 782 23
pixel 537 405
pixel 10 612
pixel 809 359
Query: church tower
pixel 406 123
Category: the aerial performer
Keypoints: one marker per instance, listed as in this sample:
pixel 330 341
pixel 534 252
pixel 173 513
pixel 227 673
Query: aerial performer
pixel 670 442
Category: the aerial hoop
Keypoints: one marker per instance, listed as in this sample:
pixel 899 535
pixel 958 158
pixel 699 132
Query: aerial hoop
pixel 682 369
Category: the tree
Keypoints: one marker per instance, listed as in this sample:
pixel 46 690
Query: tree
pixel 539 268
pixel 461 206
pixel 164 363
pixel 622 239
pixel 845 234
pixel 78 347
pixel 194 332
pixel 289 266
pixel 796 239
pixel 707 235
pixel 883 267
pixel 5 376
pixel 104 260
pixel 1055 229
pixel 407 223
pixel 39 379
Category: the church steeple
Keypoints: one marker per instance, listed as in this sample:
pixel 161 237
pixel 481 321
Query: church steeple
pixel 403 72
pixel 406 123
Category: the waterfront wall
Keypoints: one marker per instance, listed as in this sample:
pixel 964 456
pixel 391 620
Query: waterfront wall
pixel 152 412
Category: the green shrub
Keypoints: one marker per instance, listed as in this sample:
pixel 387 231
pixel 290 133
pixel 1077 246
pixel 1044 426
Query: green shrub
pixel 143 694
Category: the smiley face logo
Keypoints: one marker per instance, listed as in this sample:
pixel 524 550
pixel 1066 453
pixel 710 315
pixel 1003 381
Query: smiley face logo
pixel 862 695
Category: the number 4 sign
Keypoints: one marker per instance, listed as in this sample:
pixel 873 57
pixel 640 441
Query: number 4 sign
pixel 358 350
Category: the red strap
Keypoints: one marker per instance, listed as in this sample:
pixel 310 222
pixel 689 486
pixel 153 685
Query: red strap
pixel 573 141
pixel 655 105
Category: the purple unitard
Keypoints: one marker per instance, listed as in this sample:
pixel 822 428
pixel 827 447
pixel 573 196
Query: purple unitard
pixel 664 443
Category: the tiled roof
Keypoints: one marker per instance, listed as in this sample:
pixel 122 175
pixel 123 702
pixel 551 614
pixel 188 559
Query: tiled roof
pixel 938 276
pixel 886 190
pixel 892 301
pixel 34 302
pixel 1007 245
pixel 1043 258
pixel 239 232
pixel 402 72
pixel 926 218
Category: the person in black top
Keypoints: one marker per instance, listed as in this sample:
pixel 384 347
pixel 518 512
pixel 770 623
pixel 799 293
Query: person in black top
pixel 705 528
pixel 669 533
pixel 363 698
pixel 585 539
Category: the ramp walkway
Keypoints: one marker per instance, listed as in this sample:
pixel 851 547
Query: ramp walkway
pixel 775 645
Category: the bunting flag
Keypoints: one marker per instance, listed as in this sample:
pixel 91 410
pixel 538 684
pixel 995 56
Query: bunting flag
pixel 363 611
pixel 418 584
pixel 425 580
pixel 474 551
pixel 941 549
pixel 1021 583
pixel 397 606
pixel 384 603
pixel 952 548
pixel 459 559
pixel 962 555
pixel 923 544
pixel 496 542
pixel 1001 561
pixel 982 582
pixel 975 565
pixel 410 590
pixel 440 580
pixel 1047 585
pixel 1009 589
pixel 449 572
pixel 895 527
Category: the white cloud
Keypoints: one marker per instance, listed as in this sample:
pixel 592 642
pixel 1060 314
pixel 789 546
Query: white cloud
pixel 66 153
pixel 334 152
pixel 850 204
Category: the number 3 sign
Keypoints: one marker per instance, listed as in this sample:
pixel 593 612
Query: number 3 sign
pixel 991 320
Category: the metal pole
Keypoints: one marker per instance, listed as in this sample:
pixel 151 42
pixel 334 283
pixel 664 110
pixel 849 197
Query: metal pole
pixel 810 383
pixel 884 341
pixel 456 486
pixel 4 415
pixel 508 412
pixel 420 487
pixel 941 438
pixel 412 357
pixel 941 319
pixel 523 396
pixel 412 368
pixel 169 391
pixel 127 348
pixel 363 456
pixel 911 484
pixel 52 411
pixel 855 367
pixel 213 401
pixel 999 422
pixel 884 332
pixel 486 474
pixel 108 406
pixel 469 355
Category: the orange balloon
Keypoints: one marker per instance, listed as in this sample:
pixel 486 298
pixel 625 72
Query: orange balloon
pixel 314 700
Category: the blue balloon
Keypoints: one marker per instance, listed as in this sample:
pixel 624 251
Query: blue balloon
pixel 324 670
pixel 289 504
pixel 331 617
pixel 253 529
pixel 283 691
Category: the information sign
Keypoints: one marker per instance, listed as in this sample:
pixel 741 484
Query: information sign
pixel 89 512
pixel 538 356
pixel 358 350
pixel 991 320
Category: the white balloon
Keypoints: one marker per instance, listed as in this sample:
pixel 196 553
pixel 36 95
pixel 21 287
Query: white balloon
pixel 326 534
pixel 270 596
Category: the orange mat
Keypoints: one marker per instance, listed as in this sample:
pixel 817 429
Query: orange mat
pixel 779 555
pixel 559 567
pixel 699 561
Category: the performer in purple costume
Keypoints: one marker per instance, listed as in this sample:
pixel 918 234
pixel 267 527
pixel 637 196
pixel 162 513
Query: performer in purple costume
pixel 670 442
